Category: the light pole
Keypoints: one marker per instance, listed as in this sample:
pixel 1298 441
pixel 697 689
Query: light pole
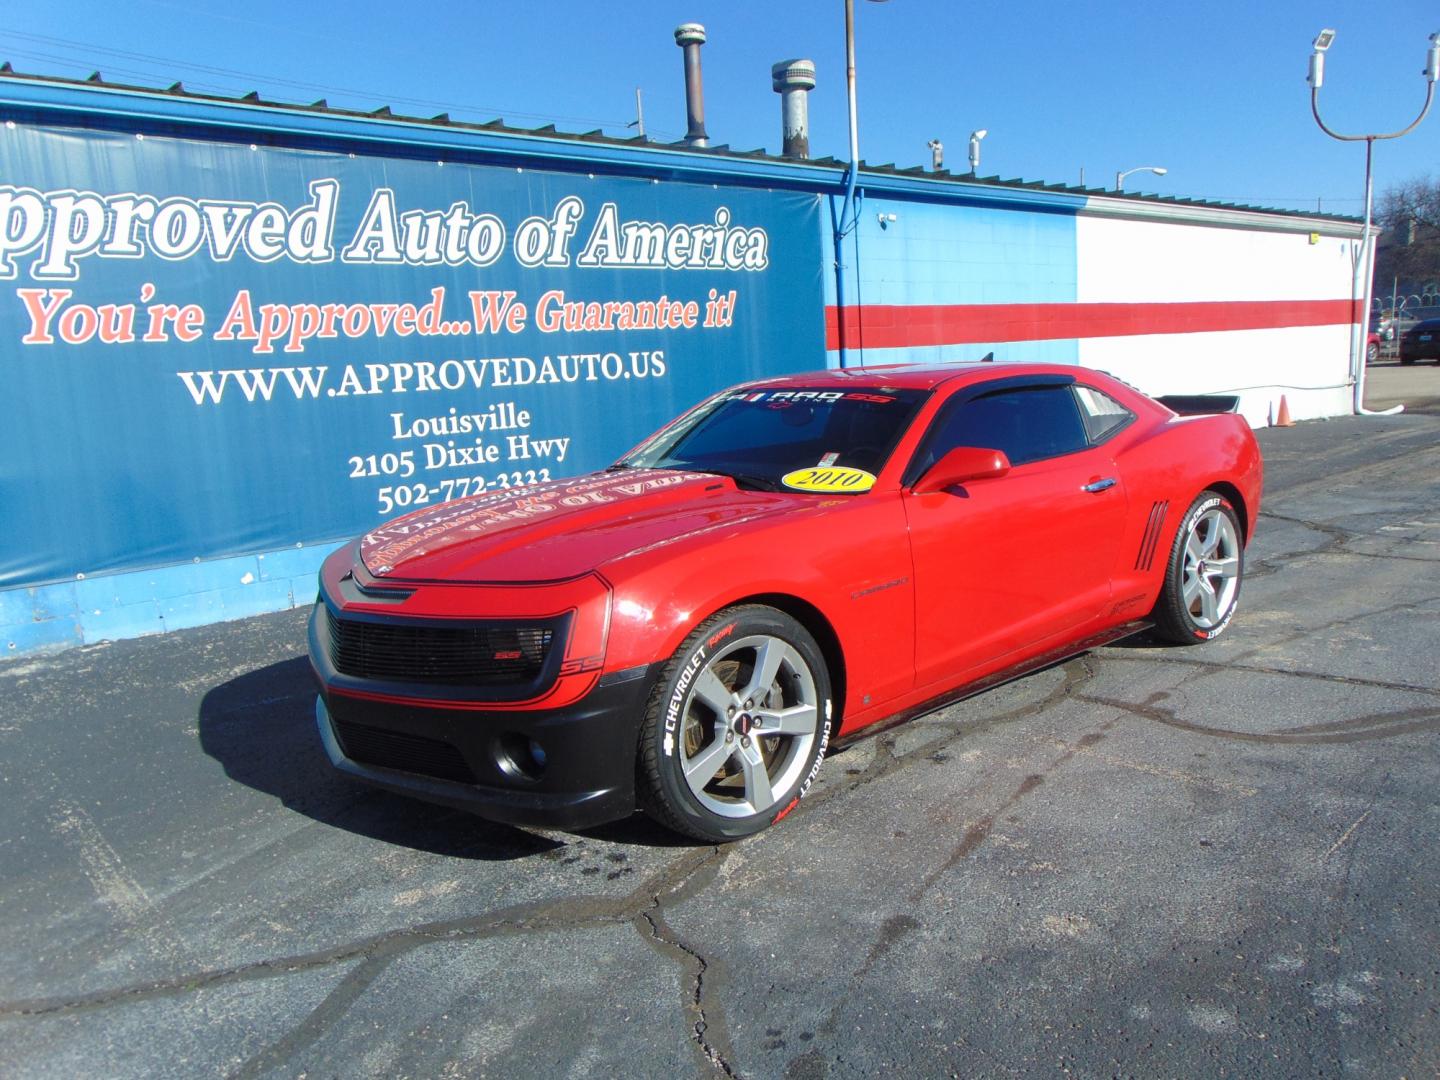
pixel 1120 176
pixel 848 217
pixel 1316 79
pixel 975 137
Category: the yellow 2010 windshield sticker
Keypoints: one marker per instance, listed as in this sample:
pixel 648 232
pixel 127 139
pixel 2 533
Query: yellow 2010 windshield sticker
pixel 837 478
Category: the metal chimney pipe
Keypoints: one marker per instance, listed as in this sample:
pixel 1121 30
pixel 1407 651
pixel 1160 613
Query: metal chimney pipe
pixel 793 80
pixel 690 36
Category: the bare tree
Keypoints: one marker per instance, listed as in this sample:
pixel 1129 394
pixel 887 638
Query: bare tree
pixel 1409 249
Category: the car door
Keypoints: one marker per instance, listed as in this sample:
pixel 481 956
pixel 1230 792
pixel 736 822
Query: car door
pixel 1006 562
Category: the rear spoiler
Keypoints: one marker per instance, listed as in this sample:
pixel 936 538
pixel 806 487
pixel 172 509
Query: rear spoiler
pixel 1200 404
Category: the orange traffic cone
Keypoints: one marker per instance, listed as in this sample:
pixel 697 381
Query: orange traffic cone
pixel 1282 419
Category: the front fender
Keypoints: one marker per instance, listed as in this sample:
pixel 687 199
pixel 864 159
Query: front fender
pixel 852 565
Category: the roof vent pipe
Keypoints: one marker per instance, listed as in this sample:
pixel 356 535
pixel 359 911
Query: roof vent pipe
pixel 793 80
pixel 690 36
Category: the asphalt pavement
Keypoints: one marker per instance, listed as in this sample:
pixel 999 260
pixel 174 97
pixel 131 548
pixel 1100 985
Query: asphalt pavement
pixel 1147 861
pixel 1416 386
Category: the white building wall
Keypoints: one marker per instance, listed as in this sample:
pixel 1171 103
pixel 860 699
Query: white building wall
pixel 1265 273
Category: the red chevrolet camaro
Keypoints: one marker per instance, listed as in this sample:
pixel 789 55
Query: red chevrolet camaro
pixel 794 562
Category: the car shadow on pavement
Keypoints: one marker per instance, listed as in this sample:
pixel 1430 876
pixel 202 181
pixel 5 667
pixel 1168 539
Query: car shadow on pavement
pixel 260 727
pixel 1144 639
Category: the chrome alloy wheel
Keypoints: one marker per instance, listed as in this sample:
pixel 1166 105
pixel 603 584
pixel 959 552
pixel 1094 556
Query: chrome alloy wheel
pixel 1211 575
pixel 750 720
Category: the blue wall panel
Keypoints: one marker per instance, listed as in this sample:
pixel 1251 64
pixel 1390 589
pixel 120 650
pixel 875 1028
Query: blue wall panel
pixel 162 424
pixel 126 605
pixel 943 253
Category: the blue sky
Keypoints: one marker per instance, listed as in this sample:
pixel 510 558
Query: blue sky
pixel 1214 92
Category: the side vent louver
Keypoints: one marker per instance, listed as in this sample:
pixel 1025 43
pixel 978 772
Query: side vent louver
pixel 1151 538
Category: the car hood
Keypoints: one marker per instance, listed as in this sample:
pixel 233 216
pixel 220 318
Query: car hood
pixel 563 529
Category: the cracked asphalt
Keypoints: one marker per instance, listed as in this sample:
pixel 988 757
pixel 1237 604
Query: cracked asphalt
pixel 1146 861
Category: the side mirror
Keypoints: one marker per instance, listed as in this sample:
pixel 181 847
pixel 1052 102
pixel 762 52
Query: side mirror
pixel 962 464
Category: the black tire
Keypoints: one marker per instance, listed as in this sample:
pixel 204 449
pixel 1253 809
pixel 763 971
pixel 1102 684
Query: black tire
pixel 1372 352
pixel 707 706
pixel 1406 359
pixel 1197 600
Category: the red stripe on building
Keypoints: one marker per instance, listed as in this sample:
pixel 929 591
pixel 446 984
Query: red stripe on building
pixel 886 326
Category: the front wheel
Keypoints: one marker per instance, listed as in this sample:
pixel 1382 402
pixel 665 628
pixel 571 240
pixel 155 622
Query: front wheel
pixel 1202 577
pixel 736 727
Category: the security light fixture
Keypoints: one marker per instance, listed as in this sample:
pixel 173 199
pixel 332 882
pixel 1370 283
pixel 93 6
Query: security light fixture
pixel 975 137
pixel 1120 176
pixel 1316 77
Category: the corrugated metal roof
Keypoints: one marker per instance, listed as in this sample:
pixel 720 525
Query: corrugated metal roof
pixel 717 152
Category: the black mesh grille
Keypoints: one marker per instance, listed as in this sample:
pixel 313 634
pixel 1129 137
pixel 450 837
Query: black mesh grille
pixel 408 753
pixel 491 655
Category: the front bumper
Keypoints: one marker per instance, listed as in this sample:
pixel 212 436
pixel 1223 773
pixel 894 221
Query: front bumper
pixel 568 767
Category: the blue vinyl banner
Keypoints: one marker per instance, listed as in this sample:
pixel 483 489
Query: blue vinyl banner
pixel 213 348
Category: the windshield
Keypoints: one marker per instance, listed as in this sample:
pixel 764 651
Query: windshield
pixel 763 438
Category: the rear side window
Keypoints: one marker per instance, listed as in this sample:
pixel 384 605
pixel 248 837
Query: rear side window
pixel 1101 414
pixel 1028 423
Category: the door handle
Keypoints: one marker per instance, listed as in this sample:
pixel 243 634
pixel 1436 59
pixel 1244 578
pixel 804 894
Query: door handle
pixel 1096 486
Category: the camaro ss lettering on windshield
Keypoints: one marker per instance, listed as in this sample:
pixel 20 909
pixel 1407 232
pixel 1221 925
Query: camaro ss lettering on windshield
pixel 787 396
pixel 777 396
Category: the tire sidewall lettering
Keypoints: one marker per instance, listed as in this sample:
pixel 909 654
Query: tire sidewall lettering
pixel 804 788
pixel 676 702
pixel 1215 502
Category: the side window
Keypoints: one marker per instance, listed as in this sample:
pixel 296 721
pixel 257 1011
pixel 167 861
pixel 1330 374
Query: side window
pixel 1027 423
pixel 1103 415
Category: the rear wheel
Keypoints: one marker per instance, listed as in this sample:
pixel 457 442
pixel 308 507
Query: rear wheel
pixel 1372 352
pixel 1202 578
pixel 1406 359
pixel 736 727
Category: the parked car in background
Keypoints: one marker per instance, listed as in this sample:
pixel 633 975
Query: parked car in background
pixel 794 562
pixel 1399 323
pixel 1421 342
